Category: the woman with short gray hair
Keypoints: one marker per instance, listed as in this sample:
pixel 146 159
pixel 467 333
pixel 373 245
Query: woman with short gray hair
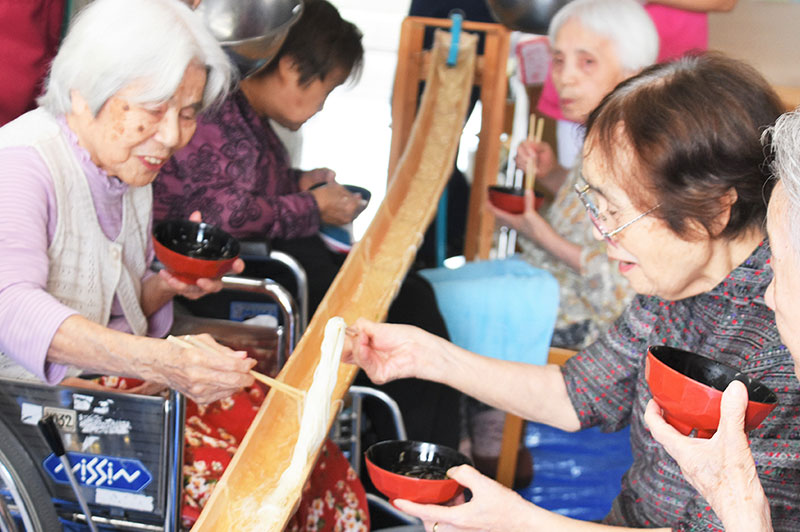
pixel 76 291
pixel 625 24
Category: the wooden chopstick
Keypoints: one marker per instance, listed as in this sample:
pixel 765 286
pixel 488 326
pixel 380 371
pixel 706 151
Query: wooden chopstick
pixel 539 129
pixel 536 136
pixel 189 341
pixel 278 385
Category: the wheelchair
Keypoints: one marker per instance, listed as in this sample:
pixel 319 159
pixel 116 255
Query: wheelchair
pixel 126 451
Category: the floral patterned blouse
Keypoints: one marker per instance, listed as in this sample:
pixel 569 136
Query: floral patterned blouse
pixel 236 172
pixel 595 297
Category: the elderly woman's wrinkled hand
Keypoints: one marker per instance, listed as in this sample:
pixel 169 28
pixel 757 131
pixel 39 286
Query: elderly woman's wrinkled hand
pixel 337 205
pixel 204 374
pixel 530 223
pixel 385 351
pixel 317 176
pixel 493 507
pixel 721 468
pixel 203 287
pixel 540 154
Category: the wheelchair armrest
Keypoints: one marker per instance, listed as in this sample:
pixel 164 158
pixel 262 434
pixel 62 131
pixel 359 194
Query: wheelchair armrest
pixel 262 251
pixel 292 313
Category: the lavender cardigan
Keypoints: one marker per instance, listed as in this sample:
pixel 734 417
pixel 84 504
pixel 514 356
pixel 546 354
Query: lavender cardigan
pixel 29 316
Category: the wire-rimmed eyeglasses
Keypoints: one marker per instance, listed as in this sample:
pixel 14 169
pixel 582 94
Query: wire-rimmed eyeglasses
pixel 583 190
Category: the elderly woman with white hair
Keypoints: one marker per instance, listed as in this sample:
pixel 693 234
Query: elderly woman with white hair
pixel 76 291
pixel 722 467
pixel 595 45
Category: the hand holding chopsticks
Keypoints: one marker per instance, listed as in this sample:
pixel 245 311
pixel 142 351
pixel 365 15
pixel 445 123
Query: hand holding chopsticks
pixel 192 342
pixel 530 170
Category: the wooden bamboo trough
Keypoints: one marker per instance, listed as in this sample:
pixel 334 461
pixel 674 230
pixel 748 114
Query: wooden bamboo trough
pixel 365 286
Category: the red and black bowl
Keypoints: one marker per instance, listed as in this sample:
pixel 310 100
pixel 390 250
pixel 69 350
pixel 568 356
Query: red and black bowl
pixel 413 470
pixel 511 199
pixel 194 250
pixel 688 387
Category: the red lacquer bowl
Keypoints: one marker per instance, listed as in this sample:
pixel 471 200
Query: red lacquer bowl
pixel 389 464
pixel 192 250
pixel 688 388
pixel 511 200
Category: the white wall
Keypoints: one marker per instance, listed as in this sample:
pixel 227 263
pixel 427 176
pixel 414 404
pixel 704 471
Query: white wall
pixel 765 34
pixel 352 135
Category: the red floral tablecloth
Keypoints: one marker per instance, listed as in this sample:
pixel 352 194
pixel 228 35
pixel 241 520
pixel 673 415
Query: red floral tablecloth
pixel 333 498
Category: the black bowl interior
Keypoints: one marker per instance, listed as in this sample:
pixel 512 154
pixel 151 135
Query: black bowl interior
pixel 710 372
pixel 415 459
pixel 196 240
pixel 363 192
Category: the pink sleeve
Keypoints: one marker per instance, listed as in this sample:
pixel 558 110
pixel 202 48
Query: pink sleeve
pixel 29 316
pixel 548 100
pixel 679 31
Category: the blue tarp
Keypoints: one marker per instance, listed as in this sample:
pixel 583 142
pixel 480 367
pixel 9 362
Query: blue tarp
pixel 576 474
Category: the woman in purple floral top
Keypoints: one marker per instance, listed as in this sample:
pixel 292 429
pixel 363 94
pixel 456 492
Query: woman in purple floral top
pixel 237 173
pixel 674 181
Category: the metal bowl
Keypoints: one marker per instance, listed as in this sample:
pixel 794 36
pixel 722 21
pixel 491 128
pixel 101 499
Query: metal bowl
pixel 250 31
pixel 529 16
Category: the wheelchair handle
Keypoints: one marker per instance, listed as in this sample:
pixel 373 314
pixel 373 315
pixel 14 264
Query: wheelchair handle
pixel 49 429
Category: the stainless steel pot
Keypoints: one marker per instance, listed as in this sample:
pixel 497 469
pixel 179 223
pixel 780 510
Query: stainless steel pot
pixel 250 31
pixel 530 16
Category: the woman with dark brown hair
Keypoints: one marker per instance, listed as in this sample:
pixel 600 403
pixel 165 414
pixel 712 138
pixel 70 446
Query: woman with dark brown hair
pixel 674 182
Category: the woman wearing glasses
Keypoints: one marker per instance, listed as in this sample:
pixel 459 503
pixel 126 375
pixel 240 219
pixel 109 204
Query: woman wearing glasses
pixel 675 181
pixel 596 44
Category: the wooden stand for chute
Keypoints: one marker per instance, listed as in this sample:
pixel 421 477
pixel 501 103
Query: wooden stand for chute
pixel 365 286
pixel 490 76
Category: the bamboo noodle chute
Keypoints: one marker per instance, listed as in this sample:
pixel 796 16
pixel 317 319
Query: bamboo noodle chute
pixel 365 286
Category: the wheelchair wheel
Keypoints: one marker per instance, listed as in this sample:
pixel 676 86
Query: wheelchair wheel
pixel 23 481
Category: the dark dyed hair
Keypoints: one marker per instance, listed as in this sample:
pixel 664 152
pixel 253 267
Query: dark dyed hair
pixel 694 127
pixel 319 42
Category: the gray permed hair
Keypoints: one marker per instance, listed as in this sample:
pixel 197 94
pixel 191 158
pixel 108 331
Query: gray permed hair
pixel 783 139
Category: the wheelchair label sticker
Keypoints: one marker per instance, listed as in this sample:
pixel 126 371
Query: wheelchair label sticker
pixel 65 419
pixel 97 471
pixel 96 424
pixel 121 499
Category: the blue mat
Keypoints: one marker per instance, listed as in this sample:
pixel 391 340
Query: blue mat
pixel 576 474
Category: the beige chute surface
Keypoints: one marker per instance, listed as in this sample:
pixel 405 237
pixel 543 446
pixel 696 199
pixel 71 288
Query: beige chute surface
pixel 365 286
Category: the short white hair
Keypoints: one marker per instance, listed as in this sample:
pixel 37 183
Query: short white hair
pixel 624 22
pixel 783 139
pixel 113 43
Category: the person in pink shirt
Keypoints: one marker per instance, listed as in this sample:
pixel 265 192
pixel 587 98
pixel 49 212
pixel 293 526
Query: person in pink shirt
pixel 76 291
